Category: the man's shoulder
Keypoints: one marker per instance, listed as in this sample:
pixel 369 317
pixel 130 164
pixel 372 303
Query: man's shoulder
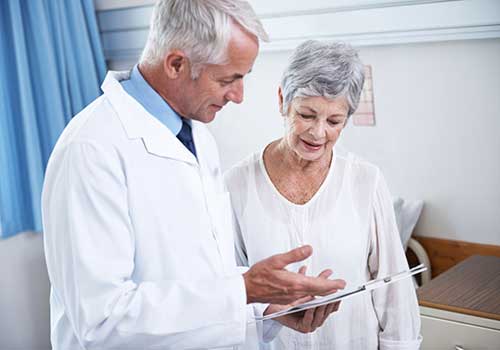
pixel 96 123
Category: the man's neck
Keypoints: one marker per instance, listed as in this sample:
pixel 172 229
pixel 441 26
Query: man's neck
pixel 164 87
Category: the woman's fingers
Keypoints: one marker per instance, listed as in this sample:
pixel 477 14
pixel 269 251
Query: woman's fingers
pixel 307 321
pixel 336 306
pixel 329 310
pixel 319 316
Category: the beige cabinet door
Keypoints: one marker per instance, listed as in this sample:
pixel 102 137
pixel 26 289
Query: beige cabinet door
pixel 441 334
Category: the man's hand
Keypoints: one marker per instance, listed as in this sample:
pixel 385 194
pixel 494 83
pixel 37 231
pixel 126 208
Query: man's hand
pixel 309 320
pixel 268 282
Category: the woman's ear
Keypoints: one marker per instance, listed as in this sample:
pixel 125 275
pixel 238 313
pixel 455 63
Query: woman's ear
pixel 175 64
pixel 280 100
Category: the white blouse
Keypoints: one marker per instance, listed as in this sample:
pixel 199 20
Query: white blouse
pixel 351 226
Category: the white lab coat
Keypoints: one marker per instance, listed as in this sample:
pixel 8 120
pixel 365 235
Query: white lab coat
pixel 138 237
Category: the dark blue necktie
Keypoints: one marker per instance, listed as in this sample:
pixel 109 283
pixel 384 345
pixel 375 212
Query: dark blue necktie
pixel 186 137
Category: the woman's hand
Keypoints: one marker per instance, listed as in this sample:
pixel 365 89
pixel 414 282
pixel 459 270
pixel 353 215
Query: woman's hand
pixel 309 320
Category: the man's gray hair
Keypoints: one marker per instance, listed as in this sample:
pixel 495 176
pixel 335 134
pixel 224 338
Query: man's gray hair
pixel 199 28
pixel 323 69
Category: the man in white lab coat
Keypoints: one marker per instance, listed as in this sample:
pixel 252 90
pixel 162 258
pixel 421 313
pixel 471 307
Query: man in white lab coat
pixel 137 224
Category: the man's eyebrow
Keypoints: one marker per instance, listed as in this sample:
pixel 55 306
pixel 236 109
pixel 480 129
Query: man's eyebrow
pixel 236 76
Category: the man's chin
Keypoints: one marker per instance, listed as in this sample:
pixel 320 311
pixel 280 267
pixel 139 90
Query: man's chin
pixel 211 118
pixel 205 118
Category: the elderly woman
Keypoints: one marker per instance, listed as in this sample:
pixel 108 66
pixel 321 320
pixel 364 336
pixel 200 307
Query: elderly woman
pixel 299 190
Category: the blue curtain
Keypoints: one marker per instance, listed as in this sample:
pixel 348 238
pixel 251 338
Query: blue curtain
pixel 51 66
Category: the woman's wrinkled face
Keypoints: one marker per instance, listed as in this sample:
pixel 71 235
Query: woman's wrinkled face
pixel 313 125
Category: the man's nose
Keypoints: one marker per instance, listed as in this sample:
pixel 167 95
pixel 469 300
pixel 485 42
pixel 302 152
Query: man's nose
pixel 235 94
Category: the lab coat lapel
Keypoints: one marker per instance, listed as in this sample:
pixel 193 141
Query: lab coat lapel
pixel 138 123
pixel 157 138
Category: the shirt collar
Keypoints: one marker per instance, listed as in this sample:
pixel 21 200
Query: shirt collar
pixel 140 90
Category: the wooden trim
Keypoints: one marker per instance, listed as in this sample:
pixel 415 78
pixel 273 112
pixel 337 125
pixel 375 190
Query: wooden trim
pixel 445 253
pixel 460 310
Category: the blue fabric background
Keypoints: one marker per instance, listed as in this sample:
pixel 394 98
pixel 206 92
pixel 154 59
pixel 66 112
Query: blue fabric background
pixel 51 66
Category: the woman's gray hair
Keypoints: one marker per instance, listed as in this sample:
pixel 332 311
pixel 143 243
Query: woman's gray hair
pixel 323 69
pixel 199 28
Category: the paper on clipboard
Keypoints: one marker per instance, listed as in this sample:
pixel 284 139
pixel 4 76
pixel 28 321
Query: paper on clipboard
pixel 368 286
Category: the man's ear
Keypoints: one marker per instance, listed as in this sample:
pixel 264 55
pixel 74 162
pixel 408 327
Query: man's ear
pixel 175 64
pixel 280 100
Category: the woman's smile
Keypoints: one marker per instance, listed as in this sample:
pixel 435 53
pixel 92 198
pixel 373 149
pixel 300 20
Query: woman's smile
pixel 311 146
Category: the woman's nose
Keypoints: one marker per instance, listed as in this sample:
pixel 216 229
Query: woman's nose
pixel 318 130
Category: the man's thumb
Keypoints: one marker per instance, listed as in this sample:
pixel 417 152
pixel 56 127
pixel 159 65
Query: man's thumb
pixel 294 255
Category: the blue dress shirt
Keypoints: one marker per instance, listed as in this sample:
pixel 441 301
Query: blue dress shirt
pixel 137 87
pixel 142 92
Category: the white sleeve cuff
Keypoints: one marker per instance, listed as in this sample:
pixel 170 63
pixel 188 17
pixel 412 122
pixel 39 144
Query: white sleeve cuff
pixel 388 344
pixel 269 329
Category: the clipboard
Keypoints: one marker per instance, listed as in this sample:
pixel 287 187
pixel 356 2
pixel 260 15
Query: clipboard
pixel 334 297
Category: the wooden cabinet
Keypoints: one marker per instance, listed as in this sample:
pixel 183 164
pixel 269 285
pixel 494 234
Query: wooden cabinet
pixel 460 308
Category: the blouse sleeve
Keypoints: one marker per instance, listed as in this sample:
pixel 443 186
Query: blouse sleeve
pixel 395 305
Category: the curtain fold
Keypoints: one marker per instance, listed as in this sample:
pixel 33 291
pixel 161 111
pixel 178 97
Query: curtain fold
pixel 51 66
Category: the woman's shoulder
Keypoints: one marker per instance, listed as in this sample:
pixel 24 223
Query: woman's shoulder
pixel 364 179
pixel 362 170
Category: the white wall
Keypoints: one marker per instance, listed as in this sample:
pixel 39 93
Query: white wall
pixel 124 24
pixel 436 137
pixel 24 294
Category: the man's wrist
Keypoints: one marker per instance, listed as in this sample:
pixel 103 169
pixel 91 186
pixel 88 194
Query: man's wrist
pixel 247 283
